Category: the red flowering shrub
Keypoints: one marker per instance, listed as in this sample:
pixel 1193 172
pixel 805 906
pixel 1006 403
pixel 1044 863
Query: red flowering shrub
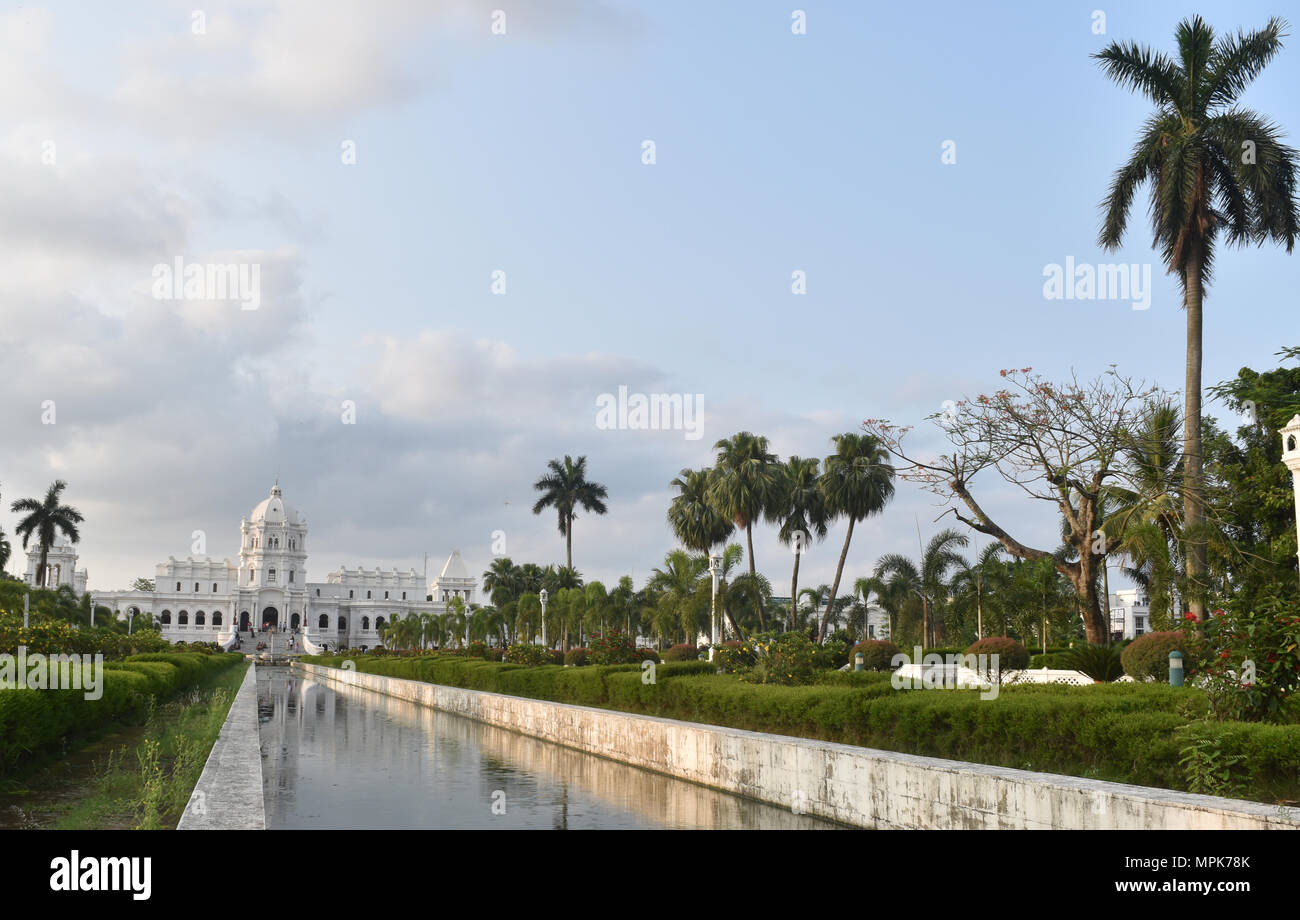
pixel 614 647
pixel 682 652
pixel 576 657
pixel 1254 658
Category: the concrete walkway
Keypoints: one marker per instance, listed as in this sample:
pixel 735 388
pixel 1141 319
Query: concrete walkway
pixel 229 793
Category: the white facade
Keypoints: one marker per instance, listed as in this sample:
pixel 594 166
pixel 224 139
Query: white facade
pixel 60 566
pixel 1130 613
pixel 206 599
pixel 1291 457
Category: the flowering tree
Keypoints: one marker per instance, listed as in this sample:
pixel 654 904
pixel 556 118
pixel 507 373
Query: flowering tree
pixel 1061 444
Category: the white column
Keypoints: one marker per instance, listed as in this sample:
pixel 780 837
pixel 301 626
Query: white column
pixel 1291 457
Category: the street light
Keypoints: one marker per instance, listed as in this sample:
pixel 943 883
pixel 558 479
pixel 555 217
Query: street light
pixel 543 596
pixel 715 569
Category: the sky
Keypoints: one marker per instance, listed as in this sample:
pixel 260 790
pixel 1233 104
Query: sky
pixel 461 246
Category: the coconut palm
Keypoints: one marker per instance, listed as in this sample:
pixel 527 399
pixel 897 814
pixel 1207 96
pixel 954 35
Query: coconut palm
pixel 745 486
pixel 695 521
pixel 45 519
pixel 6 550
pixel 503 581
pixel 856 482
pixel 1214 168
pixel 972 582
pixel 929 579
pixel 803 512
pixel 566 489
pixel 683 594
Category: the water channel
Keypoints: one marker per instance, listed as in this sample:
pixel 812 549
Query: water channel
pixel 345 757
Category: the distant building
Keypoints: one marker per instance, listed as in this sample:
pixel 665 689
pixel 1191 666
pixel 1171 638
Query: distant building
pixel 206 599
pixel 1130 613
pixel 60 566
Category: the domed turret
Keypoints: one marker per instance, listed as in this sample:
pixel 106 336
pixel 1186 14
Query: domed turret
pixel 274 509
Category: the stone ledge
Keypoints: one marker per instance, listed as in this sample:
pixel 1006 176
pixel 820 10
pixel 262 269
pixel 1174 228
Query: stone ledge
pixel 228 795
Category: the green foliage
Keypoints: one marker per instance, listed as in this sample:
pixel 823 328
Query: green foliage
pixel 613 647
pixel 1208 770
pixel 1012 656
pixel 781 658
pixel 1254 658
pixel 477 649
pixel 877 654
pixel 532 655
pixel 577 657
pixel 1147 656
pixel 1100 662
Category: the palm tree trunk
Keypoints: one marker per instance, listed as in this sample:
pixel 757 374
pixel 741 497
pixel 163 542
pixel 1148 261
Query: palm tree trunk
pixel 568 542
pixel 925 622
pixel 749 538
pixel 1193 506
pixel 835 585
pixel 794 589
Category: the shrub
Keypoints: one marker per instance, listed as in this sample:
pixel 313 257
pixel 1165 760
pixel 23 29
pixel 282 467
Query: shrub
pixel 1254 659
pixel 734 656
pixel 576 657
pixel 645 654
pixel 1012 656
pixel 532 655
pixel 477 649
pixel 1057 661
pixel 682 652
pixel 613 647
pixel 494 654
pixel 1147 656
pixel 556 656
pixel 877 654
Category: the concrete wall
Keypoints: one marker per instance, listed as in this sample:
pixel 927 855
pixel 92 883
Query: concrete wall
pixel 228 795
pixel 854 785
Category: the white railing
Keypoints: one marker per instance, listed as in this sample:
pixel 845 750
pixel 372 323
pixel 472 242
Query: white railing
pixel 308 646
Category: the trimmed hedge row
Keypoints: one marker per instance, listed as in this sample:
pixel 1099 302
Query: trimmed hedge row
pixel 1131 733
pixel 32 721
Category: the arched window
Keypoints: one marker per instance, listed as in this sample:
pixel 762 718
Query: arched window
pixel 270 576
pixel 196 587
pixel 166 618
pixel 318 592
pixel 385 595
pixel 367 595
pixel 365 623
pixel 183 618
pixel 403 595
pixel 343 624
pixel 379 622
pixel 178 586
pixel 216 618
pixel 324 622
pixel 291 576
pixel 349 593
pixel 214 587
pixel 252 573
pixel 1290 443
pixel 200 619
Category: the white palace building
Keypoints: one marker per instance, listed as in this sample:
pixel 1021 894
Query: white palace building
pixel 205 599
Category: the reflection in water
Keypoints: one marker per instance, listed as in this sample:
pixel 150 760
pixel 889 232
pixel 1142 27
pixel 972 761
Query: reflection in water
pixel 344 757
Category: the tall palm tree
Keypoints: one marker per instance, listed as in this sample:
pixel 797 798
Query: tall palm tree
pixel 695 521
pixel 973 581
pixel 803 512
pixel 745 486
pixel 857 482
pixel 1213 167
pixel 45 519
pixel 503 581
pixel 6 550
pixel 566 489
pixel 681 589
pixel 929 579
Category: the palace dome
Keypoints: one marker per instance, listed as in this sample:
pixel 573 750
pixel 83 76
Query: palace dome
pixel 274 509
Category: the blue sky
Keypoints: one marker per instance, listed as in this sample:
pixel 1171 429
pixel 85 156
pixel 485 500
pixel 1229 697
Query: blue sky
pixel 522 152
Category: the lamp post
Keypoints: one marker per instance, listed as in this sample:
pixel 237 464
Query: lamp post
pixel 130 620
pixel 543 597
pixel 715 569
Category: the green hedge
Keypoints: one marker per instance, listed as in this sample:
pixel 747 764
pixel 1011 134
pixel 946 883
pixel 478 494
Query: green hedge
pixel 33 721
pixel 1132 733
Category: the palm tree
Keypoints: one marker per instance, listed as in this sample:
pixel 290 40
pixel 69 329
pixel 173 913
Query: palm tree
pixel 857 482
pixel 1212 167
pixel 682 598
pixel 695 521
pixel 803 512
pixel 746 485
pixel 6 550
pixel 566 488
pixel 503 581
pixel 45 519
pixel 974 580
pixel 929 580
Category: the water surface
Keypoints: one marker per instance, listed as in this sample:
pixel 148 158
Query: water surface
pixel 346 757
